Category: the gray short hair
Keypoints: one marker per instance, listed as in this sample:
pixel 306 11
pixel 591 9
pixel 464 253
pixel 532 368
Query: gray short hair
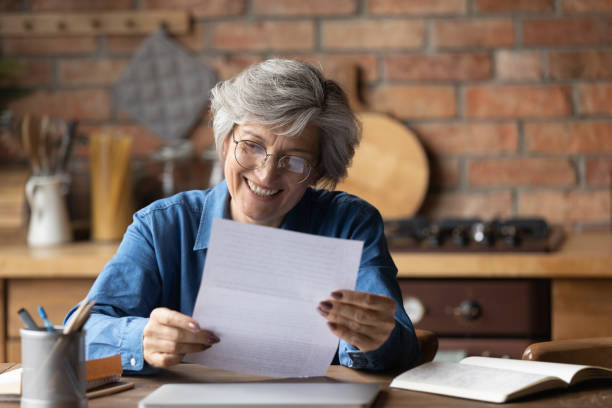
pixel 288 95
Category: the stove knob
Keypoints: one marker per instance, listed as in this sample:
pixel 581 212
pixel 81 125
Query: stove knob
pixel 415 309
pixel 468 310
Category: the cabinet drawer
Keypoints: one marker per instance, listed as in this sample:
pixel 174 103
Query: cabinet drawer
pixel 57 296
pixel 494 307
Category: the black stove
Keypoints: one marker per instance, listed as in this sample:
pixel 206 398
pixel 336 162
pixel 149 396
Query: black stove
pixel 472 235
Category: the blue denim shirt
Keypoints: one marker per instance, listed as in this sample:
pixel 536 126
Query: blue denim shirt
pixel 160 260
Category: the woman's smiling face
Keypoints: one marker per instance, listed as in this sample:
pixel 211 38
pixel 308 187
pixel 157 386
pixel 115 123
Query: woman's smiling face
pixel 265 195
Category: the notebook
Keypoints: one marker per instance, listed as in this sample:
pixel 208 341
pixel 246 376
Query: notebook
pixel 264 394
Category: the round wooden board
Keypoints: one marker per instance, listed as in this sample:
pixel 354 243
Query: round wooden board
pixel 389 169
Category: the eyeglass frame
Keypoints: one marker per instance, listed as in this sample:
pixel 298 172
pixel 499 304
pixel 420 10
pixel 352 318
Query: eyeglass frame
pixel 265 160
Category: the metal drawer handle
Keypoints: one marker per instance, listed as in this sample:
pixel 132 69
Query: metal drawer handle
pixel 468 310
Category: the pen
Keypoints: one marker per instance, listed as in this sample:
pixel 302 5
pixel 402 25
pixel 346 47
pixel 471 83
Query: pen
pixel 27 320
pixel 45 319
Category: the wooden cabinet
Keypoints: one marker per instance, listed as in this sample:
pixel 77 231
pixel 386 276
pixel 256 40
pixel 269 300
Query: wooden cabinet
pixel 57 296
pixel 492 317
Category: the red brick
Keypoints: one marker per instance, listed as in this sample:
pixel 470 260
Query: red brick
pixel 418 7
pixel 200 8
pixel 445 173
pixel 569 137
pixel 474 33
pixel 565 31
pixel 468 138
pixel 599 171
pixel 521 172
pixel 303 8
pixel 566 206
pixel 265 35
pixel 519 65
pixel 517 101
pixel 608 30
pixel 122 44
pixel 581 64
pixel 444 67
pixel 415 102
pixel 80 5
pixel 228 66
pixel 514 6
pixel 78 104
pixel 26 73
pixel 485 205
pixel 332 64
pixel 594 99
pixel 373 34
pixel 90 72
pixel 586 6
pixel 48 45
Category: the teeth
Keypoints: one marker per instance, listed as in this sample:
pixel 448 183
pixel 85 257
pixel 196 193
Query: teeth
pixel 260 191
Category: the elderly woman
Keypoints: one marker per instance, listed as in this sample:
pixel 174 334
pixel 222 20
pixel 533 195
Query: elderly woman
pixel 280 128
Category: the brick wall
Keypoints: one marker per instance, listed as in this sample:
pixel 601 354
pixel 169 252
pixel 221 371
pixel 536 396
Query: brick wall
pixel 511 98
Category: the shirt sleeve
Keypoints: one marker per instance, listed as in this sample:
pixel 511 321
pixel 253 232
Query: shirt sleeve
pixel 126 291
pixel 378 274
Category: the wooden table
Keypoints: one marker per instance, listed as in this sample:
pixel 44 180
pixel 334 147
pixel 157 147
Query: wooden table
pixel 590 395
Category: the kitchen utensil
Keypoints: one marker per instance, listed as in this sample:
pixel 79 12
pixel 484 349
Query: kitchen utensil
pixel 390 168
pixel 164 87
pixel 29 137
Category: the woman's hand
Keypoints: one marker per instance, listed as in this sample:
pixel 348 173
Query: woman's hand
pixel 170 335
pixel 363 319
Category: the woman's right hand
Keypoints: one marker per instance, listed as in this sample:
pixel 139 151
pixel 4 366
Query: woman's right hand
pixel 169 335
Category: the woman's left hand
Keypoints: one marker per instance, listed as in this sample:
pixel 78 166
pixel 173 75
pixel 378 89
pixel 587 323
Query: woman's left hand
pixel 363 319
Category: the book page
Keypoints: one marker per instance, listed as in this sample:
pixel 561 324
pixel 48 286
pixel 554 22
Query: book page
pixel 10 382
pixel 473 382
pixel 259 294
pixel 565 372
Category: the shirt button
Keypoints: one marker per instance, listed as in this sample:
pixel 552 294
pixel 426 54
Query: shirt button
pixel 133 361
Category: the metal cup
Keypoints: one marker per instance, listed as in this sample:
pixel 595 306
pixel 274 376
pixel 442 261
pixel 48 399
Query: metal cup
pixel 53 369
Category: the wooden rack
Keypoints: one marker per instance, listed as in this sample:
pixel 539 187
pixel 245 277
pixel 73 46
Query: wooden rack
pixel 122 23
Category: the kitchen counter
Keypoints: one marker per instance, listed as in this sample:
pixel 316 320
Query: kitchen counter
pixel 586 255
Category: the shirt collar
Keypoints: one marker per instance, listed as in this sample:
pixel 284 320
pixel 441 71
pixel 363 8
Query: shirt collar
pixel 215 206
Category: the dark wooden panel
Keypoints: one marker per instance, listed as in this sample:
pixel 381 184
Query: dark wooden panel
pixel 507 307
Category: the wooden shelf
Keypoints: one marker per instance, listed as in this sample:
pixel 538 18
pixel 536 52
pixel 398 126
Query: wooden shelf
pixel 122 23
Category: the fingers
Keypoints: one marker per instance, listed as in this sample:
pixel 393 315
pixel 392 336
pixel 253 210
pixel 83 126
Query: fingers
pixel 364 299
pixel 169 335
pixel 173 318
pixel 364 320
pixel 360 340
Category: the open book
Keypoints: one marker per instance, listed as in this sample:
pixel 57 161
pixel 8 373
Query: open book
pixel 495 379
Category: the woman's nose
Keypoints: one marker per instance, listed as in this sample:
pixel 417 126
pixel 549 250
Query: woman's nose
pixel 269 169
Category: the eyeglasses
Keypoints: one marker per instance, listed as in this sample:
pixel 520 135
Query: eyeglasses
pixel 251 155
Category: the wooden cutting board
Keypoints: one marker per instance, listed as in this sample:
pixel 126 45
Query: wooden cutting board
pixel 390 168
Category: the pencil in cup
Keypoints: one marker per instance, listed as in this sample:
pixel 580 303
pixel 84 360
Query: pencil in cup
pixel 66 344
